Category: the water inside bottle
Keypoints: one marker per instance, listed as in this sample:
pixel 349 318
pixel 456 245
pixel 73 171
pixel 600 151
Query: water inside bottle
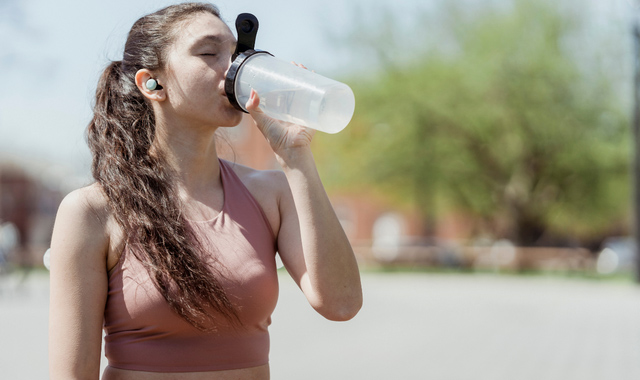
pixel 292 105
pixel 336 109
pixel 328 110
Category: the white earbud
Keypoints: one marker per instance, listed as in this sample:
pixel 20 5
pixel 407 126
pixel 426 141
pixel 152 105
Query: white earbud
pixel 151 84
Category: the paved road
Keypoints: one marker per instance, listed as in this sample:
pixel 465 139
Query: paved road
pixel 412 326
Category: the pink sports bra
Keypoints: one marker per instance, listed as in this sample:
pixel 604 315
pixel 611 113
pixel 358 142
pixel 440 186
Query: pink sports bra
pixel 143 333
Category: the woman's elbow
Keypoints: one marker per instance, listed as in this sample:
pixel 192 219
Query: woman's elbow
pixel 343 310
pixel 344 314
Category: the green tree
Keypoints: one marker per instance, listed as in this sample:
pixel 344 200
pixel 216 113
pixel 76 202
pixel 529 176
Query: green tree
pixel 503 124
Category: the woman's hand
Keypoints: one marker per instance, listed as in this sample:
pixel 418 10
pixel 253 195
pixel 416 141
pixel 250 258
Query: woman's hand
pixel 281 135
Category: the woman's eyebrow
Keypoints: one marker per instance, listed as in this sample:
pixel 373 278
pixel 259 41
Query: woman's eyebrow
pixel 212 38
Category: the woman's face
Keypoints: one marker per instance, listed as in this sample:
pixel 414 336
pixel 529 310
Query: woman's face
pixel 197 63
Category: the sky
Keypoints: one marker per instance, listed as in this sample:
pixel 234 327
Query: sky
pixel 52 53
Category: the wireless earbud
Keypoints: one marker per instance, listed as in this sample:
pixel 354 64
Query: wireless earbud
pixel 152 85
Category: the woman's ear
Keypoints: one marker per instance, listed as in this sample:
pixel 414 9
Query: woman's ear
pixel 150 86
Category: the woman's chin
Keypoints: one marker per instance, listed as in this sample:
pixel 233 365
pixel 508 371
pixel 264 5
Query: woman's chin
pixel 234 119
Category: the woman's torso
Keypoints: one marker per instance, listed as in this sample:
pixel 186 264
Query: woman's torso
pixel 267 200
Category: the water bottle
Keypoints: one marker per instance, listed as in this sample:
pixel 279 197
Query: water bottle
pixel 287 92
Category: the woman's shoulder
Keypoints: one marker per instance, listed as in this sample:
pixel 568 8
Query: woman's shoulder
pixel 82 226
pixel 267 188
pixel 87 208
pixel 86 201
pixel 261 180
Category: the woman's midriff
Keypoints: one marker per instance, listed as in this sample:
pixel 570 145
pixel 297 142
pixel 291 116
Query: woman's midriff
pixel 253 373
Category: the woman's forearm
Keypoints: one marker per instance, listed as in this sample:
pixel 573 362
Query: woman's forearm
pixel 331 266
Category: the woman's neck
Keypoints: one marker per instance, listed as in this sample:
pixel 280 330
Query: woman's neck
pixel 192 155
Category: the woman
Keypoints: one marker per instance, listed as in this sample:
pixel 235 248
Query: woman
pixel 172 250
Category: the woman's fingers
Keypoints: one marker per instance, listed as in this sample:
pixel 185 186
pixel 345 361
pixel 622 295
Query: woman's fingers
pixel 264 122
pixel 301 65
pixel 279 134
pixel 253 102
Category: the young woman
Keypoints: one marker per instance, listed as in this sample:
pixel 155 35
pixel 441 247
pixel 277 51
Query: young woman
pixel 172 250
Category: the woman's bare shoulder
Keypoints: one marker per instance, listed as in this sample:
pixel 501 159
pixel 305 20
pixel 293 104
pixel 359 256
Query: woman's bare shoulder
pixel 86 211
pixel 262 180
pixel 85 214
pixel 267 188
pixel 89 201
pixel 81 233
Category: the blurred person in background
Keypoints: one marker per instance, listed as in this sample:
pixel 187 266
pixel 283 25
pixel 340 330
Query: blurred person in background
pixel 172 250
pixel 9 238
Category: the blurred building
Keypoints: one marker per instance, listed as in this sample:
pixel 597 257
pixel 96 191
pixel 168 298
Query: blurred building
pixel 30 205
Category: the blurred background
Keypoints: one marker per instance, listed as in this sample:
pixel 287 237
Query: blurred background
pixel 491 139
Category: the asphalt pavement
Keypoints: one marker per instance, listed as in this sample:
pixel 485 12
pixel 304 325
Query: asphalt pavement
pixel 412 326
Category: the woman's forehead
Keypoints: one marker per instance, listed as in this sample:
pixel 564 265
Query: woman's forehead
pixel 204 27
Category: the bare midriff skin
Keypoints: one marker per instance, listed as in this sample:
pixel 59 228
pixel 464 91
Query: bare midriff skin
pixel 253 373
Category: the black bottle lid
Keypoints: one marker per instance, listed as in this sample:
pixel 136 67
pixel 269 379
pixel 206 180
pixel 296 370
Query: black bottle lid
pixel 247 28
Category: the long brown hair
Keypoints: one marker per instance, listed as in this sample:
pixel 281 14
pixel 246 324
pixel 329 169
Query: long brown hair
pixel 139 185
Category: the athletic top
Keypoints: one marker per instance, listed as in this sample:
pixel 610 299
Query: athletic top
pixel 143 333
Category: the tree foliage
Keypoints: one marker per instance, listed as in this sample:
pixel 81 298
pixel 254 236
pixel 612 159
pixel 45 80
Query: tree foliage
pixel 502 123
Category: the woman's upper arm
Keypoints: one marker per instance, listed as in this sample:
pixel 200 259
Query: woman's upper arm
pixel 78 277
pixel 289 238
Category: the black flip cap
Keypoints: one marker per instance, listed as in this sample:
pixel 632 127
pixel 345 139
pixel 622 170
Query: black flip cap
pixel 247 28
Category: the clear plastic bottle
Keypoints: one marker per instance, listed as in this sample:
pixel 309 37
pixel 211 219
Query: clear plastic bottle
pixel 293 94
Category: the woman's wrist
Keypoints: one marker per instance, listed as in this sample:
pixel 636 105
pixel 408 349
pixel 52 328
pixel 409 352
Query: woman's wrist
pixel 295 157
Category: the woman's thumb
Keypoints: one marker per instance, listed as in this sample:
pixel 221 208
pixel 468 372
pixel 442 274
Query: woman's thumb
pixel 256 113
